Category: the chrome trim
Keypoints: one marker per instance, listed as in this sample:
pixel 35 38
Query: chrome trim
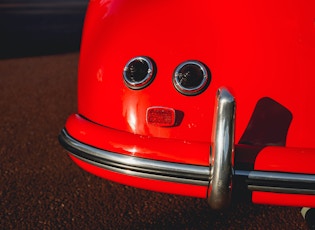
pixel 134 166
pixel 222 151
pixel 191 91
pixel 280 182
pixel 260 188
pixel 279 176
pixel 145 81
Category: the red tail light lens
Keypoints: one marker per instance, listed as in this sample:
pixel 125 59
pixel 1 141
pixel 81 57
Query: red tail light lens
pixel 161 116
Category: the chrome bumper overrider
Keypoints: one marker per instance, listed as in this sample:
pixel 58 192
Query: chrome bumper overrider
pixel 217 176
pixel 222 151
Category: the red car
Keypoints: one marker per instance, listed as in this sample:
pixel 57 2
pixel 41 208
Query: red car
pixel 199 98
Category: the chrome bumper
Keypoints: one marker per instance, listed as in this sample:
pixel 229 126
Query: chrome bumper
pixel 218 176
pixel 135 166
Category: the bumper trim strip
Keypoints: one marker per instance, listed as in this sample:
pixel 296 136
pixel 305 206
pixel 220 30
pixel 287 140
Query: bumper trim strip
pixel 279 182
pixel 135 166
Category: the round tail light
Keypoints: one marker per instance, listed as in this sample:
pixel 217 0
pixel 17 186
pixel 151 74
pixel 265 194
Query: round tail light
pixel 139 72
pixel 191 78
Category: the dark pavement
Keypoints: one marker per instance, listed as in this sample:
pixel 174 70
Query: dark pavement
pixel 41 188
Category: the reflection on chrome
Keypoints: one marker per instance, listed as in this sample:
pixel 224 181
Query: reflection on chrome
pixel 222 151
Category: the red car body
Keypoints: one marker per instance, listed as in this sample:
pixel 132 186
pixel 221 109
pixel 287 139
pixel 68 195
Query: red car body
pixel 252 123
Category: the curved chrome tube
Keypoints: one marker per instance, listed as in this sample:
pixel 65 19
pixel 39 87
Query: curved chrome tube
pixel 222 151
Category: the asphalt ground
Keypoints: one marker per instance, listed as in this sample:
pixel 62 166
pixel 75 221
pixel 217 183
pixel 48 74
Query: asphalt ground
pixel 40 187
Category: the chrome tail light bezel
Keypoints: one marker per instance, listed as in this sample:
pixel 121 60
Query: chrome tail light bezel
pixel 195 90
pixel 149 73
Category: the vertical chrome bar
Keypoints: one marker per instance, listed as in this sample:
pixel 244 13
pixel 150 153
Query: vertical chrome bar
pixel 222 151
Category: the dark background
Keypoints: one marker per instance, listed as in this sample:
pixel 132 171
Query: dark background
pixel 37 27
pixel 40 187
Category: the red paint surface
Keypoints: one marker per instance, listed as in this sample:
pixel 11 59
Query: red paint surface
pixel 254 49
pixel 117 141
pixel 281 199
pixel 283 159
